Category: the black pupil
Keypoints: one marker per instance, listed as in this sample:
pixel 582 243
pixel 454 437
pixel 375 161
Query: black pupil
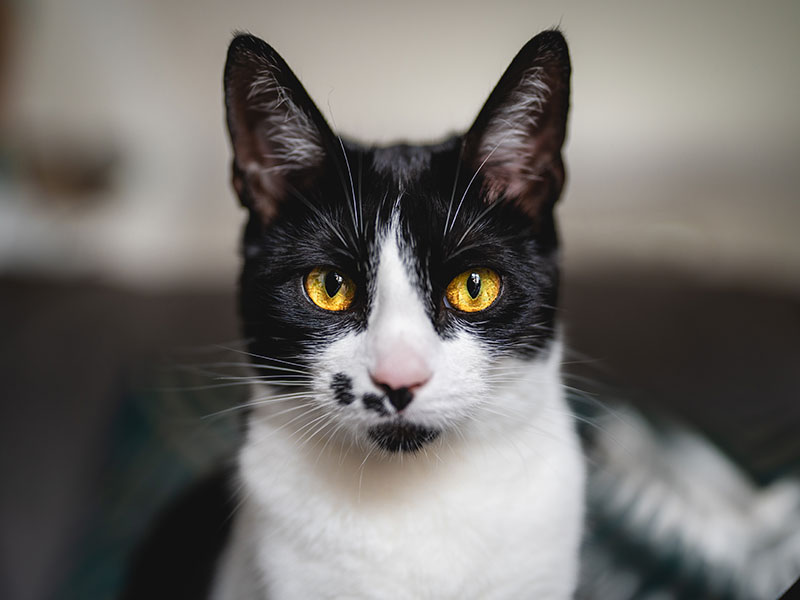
pixel 474 285
pixel 333 283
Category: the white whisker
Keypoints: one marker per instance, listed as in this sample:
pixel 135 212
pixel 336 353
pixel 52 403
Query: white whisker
pixel 469 185
pixel 455 185
pixel 260 402
pixel 267 358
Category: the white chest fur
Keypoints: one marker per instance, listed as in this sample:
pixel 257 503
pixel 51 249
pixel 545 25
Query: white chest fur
pixel 494 513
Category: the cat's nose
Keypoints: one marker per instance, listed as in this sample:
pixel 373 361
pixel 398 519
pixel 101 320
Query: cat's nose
pixel 400 398
pixel 400 376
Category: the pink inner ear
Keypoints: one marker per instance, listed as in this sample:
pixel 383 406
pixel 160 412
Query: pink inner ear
pixel 506 182
pixel 401 367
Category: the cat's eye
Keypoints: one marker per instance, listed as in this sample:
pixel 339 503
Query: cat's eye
pixel 330 289
pixel 473 290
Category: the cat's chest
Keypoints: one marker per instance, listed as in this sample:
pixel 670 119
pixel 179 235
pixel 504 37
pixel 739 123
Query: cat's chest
pixel 450 551
pixel 490 524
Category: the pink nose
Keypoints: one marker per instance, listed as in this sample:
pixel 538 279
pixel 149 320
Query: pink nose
pixel 404 369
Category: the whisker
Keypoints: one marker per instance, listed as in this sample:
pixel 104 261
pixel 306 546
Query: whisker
pixel 325 218
pixel 321 435
pixel 360 203
pixel 455 185
pixel 274 379
pixel 353 208
pixel 311 408
pixel 307 427
pixel 472 225
pixel 259 402
pixel 210 348
pixel 285 378
pixel 203 388
pixel 267 358
pixel 304 405
pixel 361 469
pixel 352 187
pixel 308 393
pixel 469 185
pixel 331 436
pixel 309 435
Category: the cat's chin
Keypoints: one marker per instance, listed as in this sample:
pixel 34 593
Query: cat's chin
pixel 402 436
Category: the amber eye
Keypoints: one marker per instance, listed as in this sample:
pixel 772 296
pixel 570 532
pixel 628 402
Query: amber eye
pixel 473 290
pixel 330 289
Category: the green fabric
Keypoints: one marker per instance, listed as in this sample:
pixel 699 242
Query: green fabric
pixel 166 434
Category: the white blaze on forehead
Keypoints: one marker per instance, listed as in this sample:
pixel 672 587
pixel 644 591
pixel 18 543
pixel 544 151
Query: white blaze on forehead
pixel 402 341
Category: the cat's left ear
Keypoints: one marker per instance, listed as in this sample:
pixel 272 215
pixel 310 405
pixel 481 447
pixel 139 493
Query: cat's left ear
pixel 516 140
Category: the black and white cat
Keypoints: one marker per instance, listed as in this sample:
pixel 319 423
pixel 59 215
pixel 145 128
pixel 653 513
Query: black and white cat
pixel 409 437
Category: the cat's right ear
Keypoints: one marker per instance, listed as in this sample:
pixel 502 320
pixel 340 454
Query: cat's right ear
pixel 279 137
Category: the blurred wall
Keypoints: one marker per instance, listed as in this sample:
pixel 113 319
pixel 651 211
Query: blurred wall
pixel 682 152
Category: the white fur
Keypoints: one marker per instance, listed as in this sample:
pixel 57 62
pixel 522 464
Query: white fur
pixel 681 493
pixel 491 509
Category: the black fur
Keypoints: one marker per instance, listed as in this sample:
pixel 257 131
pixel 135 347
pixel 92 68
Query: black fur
pixel 399 398
pixel 342 387
pixel 179 557
pixel 402 436
pixel 374 402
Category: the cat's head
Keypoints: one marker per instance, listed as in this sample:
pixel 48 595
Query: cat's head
pixel 392 296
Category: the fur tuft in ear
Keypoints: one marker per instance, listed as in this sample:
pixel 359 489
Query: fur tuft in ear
pixel 517 138
pixel 278 134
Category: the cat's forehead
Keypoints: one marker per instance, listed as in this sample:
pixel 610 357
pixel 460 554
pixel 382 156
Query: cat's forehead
pixel 401 163
pixel 405 164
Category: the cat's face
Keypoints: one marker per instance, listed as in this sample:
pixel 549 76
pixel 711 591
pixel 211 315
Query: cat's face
pixel 388 294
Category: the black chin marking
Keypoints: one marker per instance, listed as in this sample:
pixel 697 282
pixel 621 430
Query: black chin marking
pixel 342 387
pixel 400 436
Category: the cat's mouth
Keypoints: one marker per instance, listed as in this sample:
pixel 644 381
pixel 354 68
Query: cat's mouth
pixel 402 436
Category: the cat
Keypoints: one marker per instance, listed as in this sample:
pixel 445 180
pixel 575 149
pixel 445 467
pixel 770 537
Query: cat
pixel 408 436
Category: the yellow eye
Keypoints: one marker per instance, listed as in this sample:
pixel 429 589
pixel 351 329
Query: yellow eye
pixel 473 290
pixel 330 289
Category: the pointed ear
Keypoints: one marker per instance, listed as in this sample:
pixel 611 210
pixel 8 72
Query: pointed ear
pixel 517 138
pixel 279 137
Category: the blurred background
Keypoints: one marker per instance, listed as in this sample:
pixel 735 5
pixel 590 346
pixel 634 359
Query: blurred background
pixel 118 229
